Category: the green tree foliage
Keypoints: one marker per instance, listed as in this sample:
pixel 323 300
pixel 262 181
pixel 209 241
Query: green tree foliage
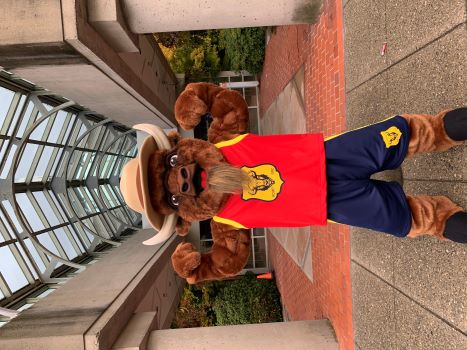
pixel 202 54
pixel 244 48
pixel 194 53
pixel 240 301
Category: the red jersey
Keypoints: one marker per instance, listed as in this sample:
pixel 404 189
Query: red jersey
pixel 287 185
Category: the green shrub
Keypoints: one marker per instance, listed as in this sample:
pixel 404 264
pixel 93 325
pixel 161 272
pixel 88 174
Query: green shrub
pixel 248 300
pixel 244 48
pixel 196 307
pixel 240 301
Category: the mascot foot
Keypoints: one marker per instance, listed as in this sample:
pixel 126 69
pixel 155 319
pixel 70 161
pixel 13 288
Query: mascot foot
pixel 437 216
pixel 456 227
pixel 436 133
pixel 455 124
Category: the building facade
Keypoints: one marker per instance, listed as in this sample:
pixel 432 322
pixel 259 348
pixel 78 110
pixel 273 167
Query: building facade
pixel 75 76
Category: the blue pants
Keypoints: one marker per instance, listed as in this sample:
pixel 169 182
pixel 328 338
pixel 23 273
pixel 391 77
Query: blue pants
pixel 351 158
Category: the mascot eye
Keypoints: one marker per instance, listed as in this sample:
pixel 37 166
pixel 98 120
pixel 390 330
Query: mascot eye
pixel 174 200
pixel 173 160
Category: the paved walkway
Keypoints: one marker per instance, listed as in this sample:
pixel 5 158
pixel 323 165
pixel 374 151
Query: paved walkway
pixel 379 292
pixel 416 290
pixel 314 280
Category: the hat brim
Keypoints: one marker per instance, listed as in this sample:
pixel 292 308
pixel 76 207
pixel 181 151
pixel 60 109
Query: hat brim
pixel 148 147
pixel 135 189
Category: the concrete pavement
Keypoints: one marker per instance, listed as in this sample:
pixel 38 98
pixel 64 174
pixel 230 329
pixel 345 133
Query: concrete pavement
pixel 409 294
pixel 406 294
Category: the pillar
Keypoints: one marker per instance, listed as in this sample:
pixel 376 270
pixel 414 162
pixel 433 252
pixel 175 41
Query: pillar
pixel 153 16
pixel 296 335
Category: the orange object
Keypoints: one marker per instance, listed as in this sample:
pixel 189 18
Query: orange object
pixel 267 276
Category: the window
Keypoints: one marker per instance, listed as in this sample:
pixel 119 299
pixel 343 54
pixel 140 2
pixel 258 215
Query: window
pixel 59 172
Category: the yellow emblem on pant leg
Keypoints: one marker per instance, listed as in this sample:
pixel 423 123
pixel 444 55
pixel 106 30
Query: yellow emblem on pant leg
pixel 391 136
pixel 265 183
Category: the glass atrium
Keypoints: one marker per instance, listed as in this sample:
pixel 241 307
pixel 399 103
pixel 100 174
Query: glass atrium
pixel 60 204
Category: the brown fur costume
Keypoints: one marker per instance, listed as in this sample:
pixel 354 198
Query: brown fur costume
pixel 231 247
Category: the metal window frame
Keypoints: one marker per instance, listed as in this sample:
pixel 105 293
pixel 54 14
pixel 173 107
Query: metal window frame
pixel 29 108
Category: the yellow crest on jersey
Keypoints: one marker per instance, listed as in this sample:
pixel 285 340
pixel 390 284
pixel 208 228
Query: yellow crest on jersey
pixel 391 136
pixel 265 183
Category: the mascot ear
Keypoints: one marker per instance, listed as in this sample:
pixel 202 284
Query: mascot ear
pixel 173 137
pixel 182 227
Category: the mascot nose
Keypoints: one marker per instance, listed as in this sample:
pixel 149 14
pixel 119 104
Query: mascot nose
pixel 184 179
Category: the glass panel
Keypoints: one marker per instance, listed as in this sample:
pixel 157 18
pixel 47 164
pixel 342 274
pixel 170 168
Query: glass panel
pixel 46 157
pixel 11 214
pixel 7 166
pixel 82 130
pixel 250 263
pixel 6 97
pixel 260 252
pixel 89 225
pixel 77 240
pixel 66 243
pixel 25 162
pixel 29 212
pixel 46 241
pixel 111 196
pixel 108 196
pixel 93 138
pixel 65 203
pixel 57 127
pixel 10 270
pixel 17 114
pixel 69 128
pixel 5 228
pixel 27 116
pixel 88 197
pixel 39 130
pixel 82 164
pixel 3 148
pixel 119 214
pixel 46 208
pixel 47 106
pixel 54 166
pixel 26 259
pixel 88 167
pixel 258 232
pixel 57 204
pixel 33 251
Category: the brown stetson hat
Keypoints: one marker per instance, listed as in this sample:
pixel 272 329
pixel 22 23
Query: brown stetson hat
pixel 134 184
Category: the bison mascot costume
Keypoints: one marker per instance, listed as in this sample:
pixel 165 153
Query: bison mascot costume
pixel 240 180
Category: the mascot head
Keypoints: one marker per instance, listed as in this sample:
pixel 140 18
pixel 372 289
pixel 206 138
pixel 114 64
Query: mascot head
pixel 176 181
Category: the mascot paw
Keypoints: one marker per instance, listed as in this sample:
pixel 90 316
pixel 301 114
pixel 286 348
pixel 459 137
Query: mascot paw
pixel 188 109
pixel 185 260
